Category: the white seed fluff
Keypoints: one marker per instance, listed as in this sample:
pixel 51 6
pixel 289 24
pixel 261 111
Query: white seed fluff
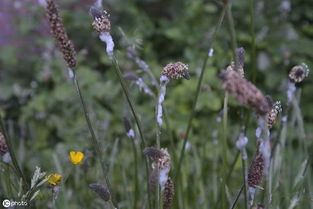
pixel 163 82
pixel 107 38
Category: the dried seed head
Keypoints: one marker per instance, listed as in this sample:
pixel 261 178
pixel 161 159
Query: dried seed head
pixel 101 21
pixel 256 171
pixel 298 73
pixel 176 70
pixel 102 24
pixel 244 91
pixel 59 34
pixel 153 153
pixel 164 161
pixel 168 194
pixel 272 115
pixel 3 146
pixel 101 190
pixel 161 158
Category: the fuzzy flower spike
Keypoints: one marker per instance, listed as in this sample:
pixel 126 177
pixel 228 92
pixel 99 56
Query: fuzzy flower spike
pixel 161 165
pixel 59 33
pixel 102 25
pixel 175 70
pixel 244 91
pixel 296 75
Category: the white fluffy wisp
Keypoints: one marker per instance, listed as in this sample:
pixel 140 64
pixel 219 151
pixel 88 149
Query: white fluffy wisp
pixel 263 136
pixel 142 86
pixel 131 133
pixel 290 91
pixel 211 52
pixel 163 177
pixel 163 82
pixel 107 38
pixel 241 145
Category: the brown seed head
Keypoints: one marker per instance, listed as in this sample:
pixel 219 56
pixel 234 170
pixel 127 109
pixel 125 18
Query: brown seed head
pixel 100 190
pixel 168 194
pixel 59 33
pixel 102 24
pixel 244 91
pixel 176 70
pixel 161 158
pixel 3 146
pixel 272 115
pixel 154 153
pixel 256 171
pixel 298 73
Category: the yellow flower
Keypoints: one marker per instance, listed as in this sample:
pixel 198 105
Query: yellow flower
pixel 54 179
pixel 76 157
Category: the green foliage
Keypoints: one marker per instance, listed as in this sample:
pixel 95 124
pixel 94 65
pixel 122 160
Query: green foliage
pixel 45 120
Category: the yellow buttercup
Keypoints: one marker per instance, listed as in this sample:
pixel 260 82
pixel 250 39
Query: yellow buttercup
pixel 76 157
pixel 54 179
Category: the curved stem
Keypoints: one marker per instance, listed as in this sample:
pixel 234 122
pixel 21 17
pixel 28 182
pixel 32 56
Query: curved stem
pixel 143 142
pixel 182 152
pixel 224 149
pixel 135 173
pixel 94 140
pixel 253 45
pixel 13 156
pixel 236 198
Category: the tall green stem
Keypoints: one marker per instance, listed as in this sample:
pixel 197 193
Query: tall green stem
pixel 94 140
pixel 231 27
pixel 143 143
pixel 135 173
pixel 253 45
pixel 182 152
pixel 16 166
pixel 224 150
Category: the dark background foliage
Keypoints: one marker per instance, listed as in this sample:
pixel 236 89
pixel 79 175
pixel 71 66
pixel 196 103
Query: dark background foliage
pixel 43 115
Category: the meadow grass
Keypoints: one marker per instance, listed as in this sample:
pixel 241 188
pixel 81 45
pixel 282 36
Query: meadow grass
pixel 251 160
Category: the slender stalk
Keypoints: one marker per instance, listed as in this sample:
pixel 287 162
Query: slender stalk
pixel 16 166
pixel 232 166
pixel 158 133
pixel 245 178
pixel 94 140
pixel 143 143
pixel 224 150
pixel 135 173
pixel 253 44
pixel 193 112
pixel 126 93
pixel 236 198
pixel 231 27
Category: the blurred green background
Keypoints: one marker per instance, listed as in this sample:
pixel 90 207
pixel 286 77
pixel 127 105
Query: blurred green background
pixel 44 117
